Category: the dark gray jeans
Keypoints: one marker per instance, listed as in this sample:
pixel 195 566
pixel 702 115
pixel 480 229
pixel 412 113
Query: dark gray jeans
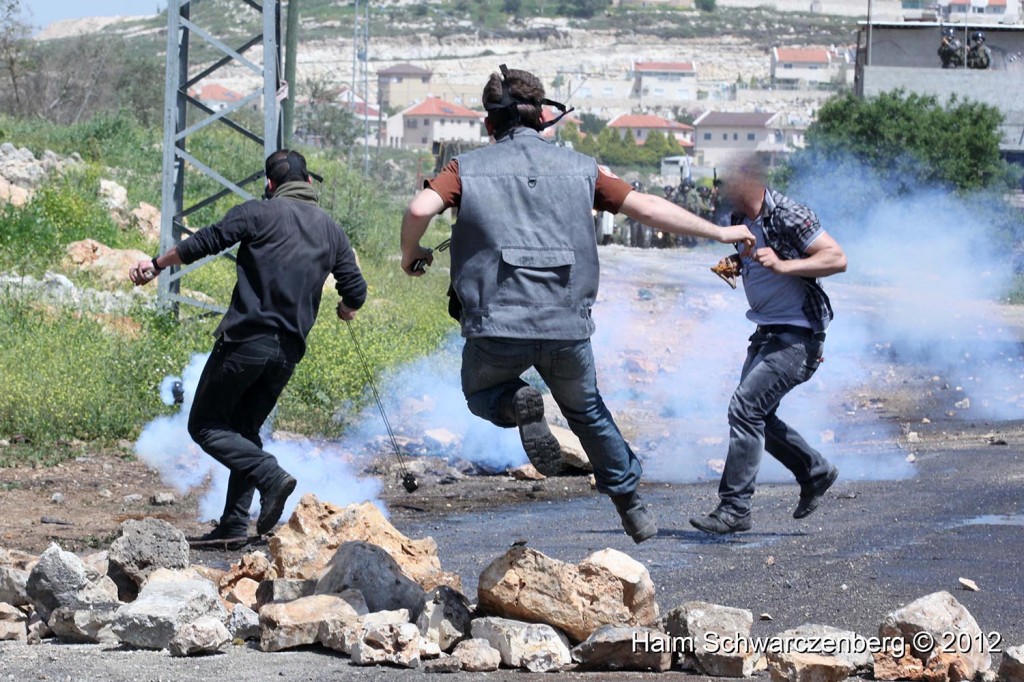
pixel 491 368
pixel 238 389
pixel 776 363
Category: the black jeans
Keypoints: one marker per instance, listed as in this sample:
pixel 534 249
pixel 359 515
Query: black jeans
pixel 776 363
pixel 238 389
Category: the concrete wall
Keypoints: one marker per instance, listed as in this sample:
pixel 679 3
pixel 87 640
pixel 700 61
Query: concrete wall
pixel 1001 89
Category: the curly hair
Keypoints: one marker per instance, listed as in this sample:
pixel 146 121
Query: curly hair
pixel 526 89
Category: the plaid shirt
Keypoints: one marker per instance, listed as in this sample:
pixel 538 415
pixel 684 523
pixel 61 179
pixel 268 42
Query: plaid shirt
pixel 787 227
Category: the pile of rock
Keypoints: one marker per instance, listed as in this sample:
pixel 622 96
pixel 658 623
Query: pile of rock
pixel 346 580
pixel 21 173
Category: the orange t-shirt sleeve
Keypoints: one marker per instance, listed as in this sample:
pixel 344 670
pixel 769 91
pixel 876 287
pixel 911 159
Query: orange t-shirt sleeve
pixel 610 191
pixel 447 184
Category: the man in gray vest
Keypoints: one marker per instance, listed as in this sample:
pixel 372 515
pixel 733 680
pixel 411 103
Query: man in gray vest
pixel 791 311
pixel 525 271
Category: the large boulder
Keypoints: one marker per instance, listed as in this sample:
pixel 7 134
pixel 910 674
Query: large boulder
pixel 114 197
pixel 607 587
pixel 852 650
pixel 109 265
pixel 206 635
pixel 612 647
pixel 286 625
pixel 146 219
pixel 163 607
pixel 789 666
pixel 444 617
pixel 942 640
pixel 1011 668
pixel 394 644
pixel 373 572
pixel 12 586
pixel 91 624
pixel 13 624
pixel 315 531
pixel 61 579
pixel 477 656
pixel 535 646
pixel 142 548
pixel 717 636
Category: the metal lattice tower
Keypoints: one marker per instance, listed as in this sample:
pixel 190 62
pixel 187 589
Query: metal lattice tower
pixel 177 105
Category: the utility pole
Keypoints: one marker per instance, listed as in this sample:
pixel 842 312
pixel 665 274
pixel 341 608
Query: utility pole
pixel 291 51
pixel 182 26
pixel 361 71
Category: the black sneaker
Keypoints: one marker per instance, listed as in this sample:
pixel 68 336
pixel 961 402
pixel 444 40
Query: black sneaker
pixel 229 538
pixel 541 446
pixel 272 501
pixel 637 519
pixel 722 522
pixel 811 493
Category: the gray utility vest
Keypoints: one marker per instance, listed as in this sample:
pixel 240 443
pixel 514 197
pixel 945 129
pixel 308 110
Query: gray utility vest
pixel 524 254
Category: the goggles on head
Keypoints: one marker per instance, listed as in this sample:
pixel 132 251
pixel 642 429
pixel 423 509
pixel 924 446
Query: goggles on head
pixel 509 101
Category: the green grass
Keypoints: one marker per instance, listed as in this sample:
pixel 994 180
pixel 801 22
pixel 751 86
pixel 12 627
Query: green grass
pixel 74 375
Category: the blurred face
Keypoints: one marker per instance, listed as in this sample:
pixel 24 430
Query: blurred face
pixel 744 194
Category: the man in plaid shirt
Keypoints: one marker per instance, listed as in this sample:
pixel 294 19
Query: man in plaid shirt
pixel 792 312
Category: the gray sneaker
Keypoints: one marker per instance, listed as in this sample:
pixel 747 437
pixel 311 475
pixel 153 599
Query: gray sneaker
pixel 541 446
pixel 721 522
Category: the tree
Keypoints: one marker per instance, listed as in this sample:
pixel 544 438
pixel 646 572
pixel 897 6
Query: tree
pixel 14 50
pixel 909 140
pixel 583 9
pixel 326 119
pixel 705 5
pixel 591 124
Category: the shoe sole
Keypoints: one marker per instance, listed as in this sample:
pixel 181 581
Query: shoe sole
pixel 272 515
pixel 702 525
pixel 830 478
pixel 541 446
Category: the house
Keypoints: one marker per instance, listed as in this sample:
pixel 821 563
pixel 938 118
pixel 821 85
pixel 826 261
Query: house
pixel 643 125
pixel 723 135
pixel 434 120
pixel 402 84
pixel 658 84
pixel 218 97
pixel 793 65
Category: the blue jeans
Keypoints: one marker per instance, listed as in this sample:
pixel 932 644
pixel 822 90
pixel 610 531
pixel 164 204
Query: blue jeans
pixel 491 369
pixel 776 364
pixel 238 389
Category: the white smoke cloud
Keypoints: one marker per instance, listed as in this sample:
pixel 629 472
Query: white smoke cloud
pixel 325 469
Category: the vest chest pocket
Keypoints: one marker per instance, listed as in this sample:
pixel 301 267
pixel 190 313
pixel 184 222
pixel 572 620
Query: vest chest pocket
pixel 536 278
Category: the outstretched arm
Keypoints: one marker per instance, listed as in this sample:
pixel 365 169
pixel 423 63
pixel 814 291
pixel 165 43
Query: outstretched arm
pixel 664 215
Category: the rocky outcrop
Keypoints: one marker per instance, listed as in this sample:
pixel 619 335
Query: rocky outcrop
pixel 957 649
pixel 315 531
pixel 719 635
pixel 612 647
pixel 608 587
pixel 537 647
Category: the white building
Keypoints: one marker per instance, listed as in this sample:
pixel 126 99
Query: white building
pixel 434 120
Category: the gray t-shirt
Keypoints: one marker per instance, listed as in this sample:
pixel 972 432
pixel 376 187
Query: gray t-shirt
pixel 773 298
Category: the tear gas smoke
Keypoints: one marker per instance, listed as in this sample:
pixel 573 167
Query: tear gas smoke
pixel 325 469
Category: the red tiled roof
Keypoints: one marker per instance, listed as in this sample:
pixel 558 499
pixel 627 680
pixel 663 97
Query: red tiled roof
pixel 680 67
pixel 647 121
pixel 435 106
pixel 215 92
pixel 805 55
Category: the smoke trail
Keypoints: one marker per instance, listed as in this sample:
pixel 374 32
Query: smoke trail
pixel 325 469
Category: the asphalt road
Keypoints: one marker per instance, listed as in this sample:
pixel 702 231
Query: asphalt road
pixel 872 547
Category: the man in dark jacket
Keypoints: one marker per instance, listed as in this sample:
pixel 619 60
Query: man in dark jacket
pixel 287 247
pixel 525 272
